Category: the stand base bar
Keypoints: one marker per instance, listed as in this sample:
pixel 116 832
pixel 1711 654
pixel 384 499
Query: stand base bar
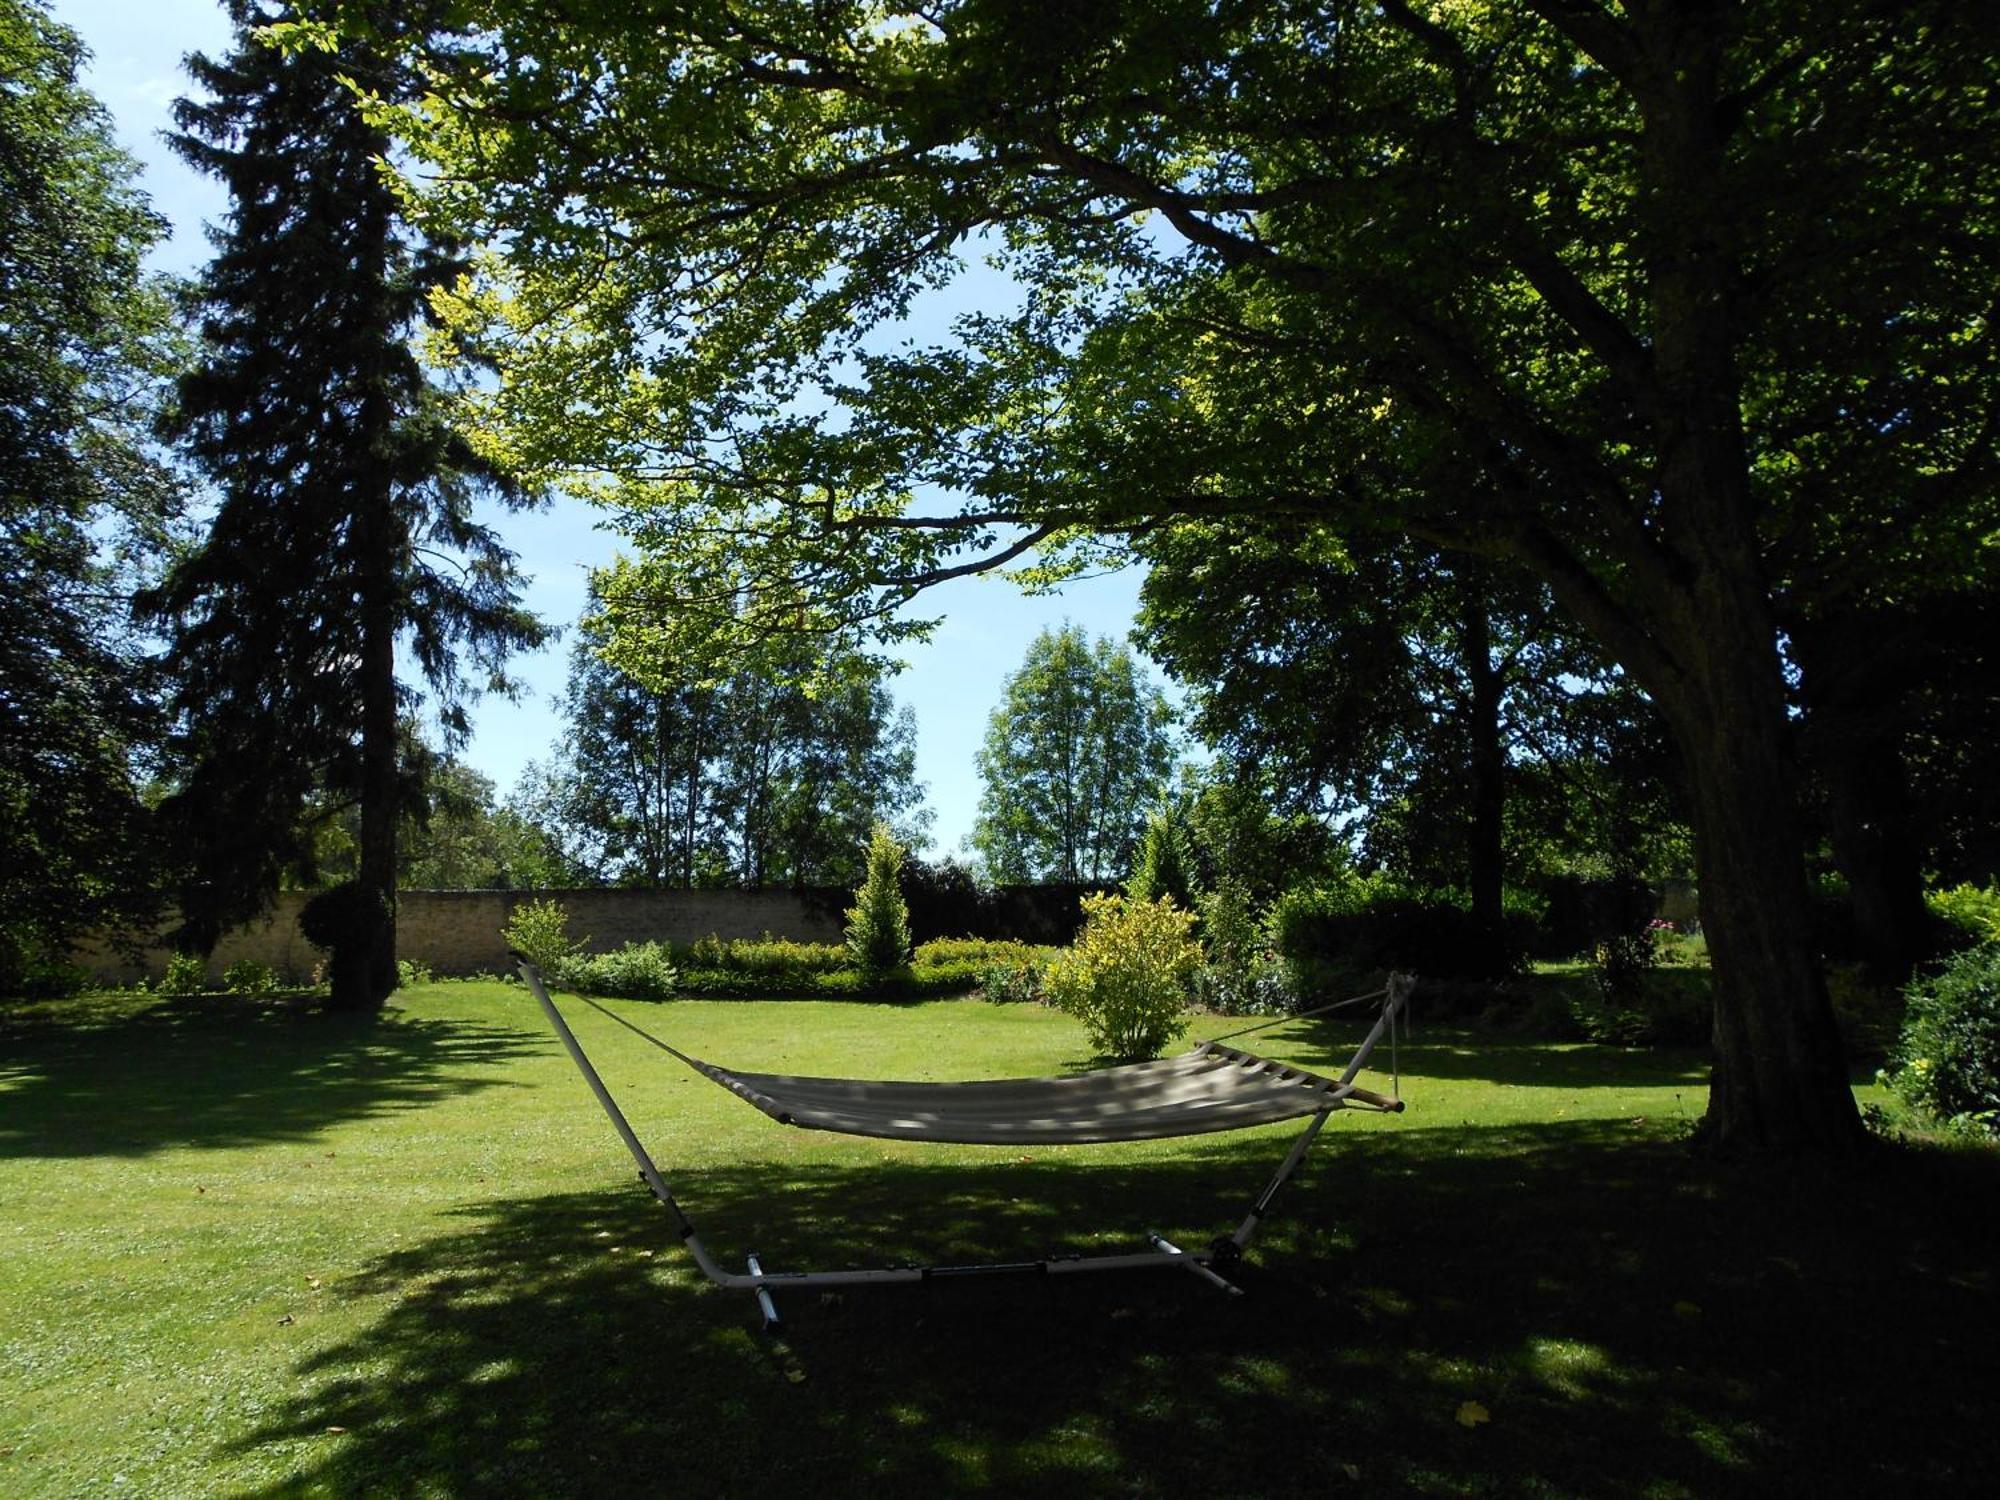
pixel 1165 1256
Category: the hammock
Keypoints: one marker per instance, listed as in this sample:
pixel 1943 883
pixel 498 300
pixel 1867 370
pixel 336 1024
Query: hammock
pixel 1212 1087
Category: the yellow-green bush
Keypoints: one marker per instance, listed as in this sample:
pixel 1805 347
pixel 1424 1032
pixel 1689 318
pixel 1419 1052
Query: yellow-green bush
pixel 1127 977
pixel 1972 909
pixel 539 932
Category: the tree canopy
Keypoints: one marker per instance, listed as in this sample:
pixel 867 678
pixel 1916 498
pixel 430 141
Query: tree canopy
pixel 1682 309
pixel 1076 753
pixel 85 347
pixel 1441 708
pixel 773 772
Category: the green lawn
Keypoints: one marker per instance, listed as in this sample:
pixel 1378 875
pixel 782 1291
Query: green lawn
pixel 268 1251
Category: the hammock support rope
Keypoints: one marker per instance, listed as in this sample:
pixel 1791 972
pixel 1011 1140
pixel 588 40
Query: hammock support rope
pixel 1212 1087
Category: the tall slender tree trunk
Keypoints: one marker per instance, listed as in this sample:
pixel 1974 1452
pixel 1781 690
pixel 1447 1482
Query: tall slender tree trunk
pixel 1869 824
pixel 693 799
pixel 380 792
pixel 1485 841
pixel 1855 688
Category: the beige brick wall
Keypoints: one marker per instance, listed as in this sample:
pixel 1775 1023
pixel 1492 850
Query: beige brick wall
pixel 458 932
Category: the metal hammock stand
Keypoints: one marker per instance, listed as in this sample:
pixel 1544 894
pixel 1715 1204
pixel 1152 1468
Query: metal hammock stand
pixel 1212 1087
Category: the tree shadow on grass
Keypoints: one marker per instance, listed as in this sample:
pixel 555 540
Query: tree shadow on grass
pixel 208 1072
pixel 1631 1322
pixel 1458 1052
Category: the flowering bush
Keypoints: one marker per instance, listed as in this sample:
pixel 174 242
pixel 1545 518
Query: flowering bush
pixel 1127 976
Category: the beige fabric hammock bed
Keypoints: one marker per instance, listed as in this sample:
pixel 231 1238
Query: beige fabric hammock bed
pixel 1211 1088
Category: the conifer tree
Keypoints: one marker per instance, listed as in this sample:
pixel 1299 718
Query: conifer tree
pixel 1165 866
pixel 878 924
pixel 344 533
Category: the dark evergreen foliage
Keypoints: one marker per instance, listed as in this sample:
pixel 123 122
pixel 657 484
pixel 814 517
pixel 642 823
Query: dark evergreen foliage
pixel 345 534
pixel 83 344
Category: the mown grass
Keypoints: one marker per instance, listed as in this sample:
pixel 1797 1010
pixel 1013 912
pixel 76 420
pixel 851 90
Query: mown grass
pixel 261 1250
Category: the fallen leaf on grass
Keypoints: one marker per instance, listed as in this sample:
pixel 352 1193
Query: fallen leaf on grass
pixel 1471 1414
pixel 1352 1471
pixel 1687 1310
pixel 313 1282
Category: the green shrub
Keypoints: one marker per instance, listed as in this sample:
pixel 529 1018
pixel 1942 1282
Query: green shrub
pixel 1619 966
pixel 1164 868
pixel 777 959
pixel 1263 988
pixel 1006 972
pixel 780 969
pixel 411 972
pixel 972 951
pixel 637 971
pixel 1340 936
pixel 878 924
pixel 344 922
pixel 1663 1007
pixel 1947 1062
pixel 343 918
pixel 187 974
pixel 1127 977
pixel 1231 936
pixel 1018 982
pixel 1870 1013
pixel 539 932
pixel 248 977
pixel 40 975
pixel 1972 910
pixel 1673 948
pixel 1242 974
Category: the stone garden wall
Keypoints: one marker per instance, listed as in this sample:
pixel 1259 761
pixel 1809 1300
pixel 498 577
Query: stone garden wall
pixel 458 932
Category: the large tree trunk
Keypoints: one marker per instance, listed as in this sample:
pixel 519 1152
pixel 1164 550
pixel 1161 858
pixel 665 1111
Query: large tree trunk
pixel 1780 1077
pixel 1780 1081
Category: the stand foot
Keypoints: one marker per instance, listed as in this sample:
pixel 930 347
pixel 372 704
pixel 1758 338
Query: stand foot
pixel 764 1302
pixel 1195 1263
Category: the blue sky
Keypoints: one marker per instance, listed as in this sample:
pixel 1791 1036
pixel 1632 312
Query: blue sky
pixel 953 682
